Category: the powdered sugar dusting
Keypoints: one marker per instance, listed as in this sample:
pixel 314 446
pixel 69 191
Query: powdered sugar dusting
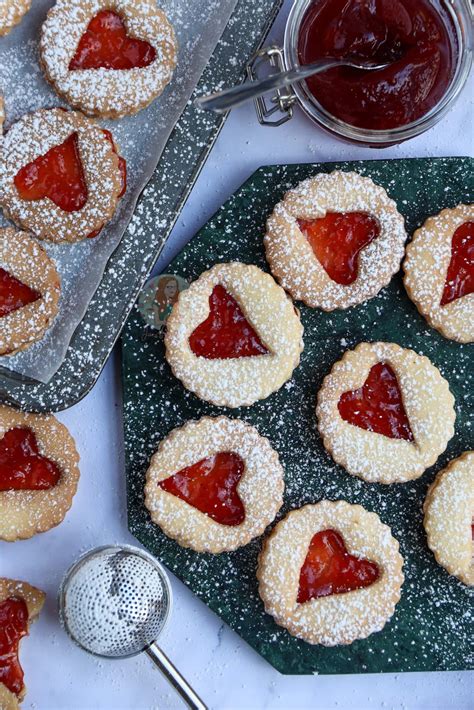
pixel 101 91
pixel 237 381
pixel 11 13
pixel 140 140
pixel 431 626
pixel 292 259
pixel 260 488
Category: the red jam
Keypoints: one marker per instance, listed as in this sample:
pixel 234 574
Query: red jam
pixel 14 294
pixel 122 164
pixel 460 275
pixel 105 44
pixel 337 238
pixel 210 486
pixel 13 626
pixel 417 37
pixel 58 175
pixel 378 405
pixel 22 467
pixel 226 333
pixel 330 569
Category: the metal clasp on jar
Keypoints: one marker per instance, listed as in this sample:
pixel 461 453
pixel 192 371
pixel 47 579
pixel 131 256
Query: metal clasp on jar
pixel 277 109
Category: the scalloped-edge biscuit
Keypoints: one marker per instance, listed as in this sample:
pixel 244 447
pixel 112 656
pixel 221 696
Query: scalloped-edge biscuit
pixel 22 257
pixel 23 513
pixel 110 93
pixel 428 403
pixel 260 488
pixel 338 618
pixel 241 381
pixel 292 260
pixel 11 14
pixel 449 515
pixel 426 264
pixel 34 600
pixel 32 136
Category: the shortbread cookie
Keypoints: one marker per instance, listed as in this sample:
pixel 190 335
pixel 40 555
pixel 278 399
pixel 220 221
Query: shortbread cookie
pixel 330 573
pixel 38 473
pixel 385 413
pixel 11 13
pixel 439 272
pixel 29 291
pixel 108 57
pixel 60 175
pixel 233 336
pixel 214 484
pixel 20 605
pixel 335 240
pixel 449 517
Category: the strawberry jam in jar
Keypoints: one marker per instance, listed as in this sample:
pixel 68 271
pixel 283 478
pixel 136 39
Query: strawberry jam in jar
pixel 427 45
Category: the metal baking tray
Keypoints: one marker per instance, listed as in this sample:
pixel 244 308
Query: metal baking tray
pixel 176 172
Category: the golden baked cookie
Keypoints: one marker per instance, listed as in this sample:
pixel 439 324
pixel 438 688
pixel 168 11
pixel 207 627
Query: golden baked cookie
pixel 11 13
pixel 234 336
pixel 330 573
pixel 449 517
pixel 439 272
pixel 20 605
pixel 108 58
pixel 30 288
pixel 38 473
pixel 214 484
pixel 385 413
pixel 60 175
pixel 335 240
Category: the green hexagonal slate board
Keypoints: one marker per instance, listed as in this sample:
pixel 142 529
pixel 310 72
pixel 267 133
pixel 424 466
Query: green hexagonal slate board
pixel 432 625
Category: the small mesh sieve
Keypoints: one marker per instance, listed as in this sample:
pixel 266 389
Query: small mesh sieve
pixel 114 602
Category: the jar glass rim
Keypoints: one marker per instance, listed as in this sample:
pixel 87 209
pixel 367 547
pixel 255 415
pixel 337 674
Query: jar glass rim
pixel 461 14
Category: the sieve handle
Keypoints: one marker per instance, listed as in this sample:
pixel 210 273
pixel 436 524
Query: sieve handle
pixel 174 677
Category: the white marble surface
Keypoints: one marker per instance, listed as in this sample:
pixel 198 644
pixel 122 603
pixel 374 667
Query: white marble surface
pixel 227 673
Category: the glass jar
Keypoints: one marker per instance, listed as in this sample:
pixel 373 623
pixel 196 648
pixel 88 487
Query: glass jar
pixel 461 14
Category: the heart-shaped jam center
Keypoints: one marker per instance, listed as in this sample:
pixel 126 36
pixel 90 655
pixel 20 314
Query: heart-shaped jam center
pixel 378 405
pixel 22 467
pixel 106 45
pixel 58 175
pixel 460 274
pixel 13 626
pixel 337 239
pixel 226 333
pixel 330 569
pixel 14 294
pixel 210 485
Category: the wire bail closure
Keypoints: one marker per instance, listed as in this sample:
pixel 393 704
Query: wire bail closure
pixel 277 109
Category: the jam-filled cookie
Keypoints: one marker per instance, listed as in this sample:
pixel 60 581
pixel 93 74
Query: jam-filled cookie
pixel 330 573
pixel 108 57
pixel 449 517
pixel 335 240
pixel 214 484
pixel 29 291
pixel 385 413
pixel 38 473
pixel 234 336
pixel 60 175
pixel 439 272
pixel 11 13
pixel 20 605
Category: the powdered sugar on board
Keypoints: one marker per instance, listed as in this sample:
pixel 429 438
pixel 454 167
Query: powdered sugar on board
pixel 141 139
pixel 431 626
